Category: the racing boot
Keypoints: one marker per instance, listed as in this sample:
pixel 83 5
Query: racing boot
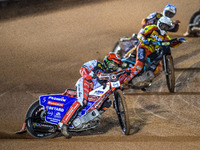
pixel 107 103
pixel 69 117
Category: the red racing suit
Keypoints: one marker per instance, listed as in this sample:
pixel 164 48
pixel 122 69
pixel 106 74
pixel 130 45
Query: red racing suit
pixel 153 19
pixel 150 33
pixel 83 86
pixel 87 83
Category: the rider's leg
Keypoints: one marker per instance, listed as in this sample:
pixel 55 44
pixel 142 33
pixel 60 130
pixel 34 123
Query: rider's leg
pixel 71 113
pixel 151 73
pixel 83 89
pixel 141 55
pixel 158 70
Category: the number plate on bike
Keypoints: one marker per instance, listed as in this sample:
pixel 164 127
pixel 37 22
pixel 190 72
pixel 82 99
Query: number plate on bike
pixel 115 84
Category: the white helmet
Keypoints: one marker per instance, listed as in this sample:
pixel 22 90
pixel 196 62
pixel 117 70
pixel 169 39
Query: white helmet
pixel 169 11
pixel 164 24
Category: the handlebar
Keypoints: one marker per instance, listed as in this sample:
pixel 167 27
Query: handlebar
pixel 114 76
pixel 167 43
pixel 162 43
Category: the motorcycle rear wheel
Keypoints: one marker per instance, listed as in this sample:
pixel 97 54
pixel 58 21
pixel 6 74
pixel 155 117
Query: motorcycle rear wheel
pixel 170 73
pixel 117 50
pixel 195 19
pixel 34 116
pixel 122 111
pixel 116 47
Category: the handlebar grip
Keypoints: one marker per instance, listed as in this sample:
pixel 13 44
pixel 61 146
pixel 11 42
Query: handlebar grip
pixel 155 43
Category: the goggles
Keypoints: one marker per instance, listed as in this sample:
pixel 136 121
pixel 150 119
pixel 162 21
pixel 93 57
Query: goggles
pixel 169 14
pixel 164 27
pixel 112 65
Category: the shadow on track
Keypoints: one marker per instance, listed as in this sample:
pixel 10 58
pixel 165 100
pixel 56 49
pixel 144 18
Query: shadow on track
pixel 23 8
pixel 107 123
pixel 165 93
pixel 187 69
pixel 139 116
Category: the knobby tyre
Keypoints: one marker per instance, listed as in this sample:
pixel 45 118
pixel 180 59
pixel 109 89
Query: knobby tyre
pixel 35 118
pixel 117 49
pixel 122 111
pixel 195 19
pixel 170 73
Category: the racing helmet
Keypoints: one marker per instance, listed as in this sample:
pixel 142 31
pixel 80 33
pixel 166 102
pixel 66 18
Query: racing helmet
pixel 112 62
pixel 169 11
pixel 164 24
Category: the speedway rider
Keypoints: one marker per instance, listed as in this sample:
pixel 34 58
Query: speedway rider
pixel 145 48
pixel 87 83
pixel 169 11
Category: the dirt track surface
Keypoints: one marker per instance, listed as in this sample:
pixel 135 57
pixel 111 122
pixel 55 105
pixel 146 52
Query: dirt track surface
pixel 42 52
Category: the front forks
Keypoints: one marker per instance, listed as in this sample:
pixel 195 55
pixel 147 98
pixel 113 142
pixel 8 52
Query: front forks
pixel 164 65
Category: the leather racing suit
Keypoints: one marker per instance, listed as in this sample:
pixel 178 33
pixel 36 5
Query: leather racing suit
pixel 150 33
pixel 83 86
pixel 154 17
pixel 87 82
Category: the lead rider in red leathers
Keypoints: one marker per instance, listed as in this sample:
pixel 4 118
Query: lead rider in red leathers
pixel 88 82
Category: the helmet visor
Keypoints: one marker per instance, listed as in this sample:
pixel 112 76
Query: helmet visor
pixel 169 14
pixel 164 26
pixel 112 66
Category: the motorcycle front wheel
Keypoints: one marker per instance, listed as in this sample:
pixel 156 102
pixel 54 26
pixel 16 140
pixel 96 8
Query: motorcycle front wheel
pixel 169 72
pixel 122 111
pixel 36 125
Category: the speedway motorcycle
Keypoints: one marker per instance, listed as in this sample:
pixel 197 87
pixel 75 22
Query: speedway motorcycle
pixel 194 24
pixel 162 54
pixel 123 46
pixel 43 116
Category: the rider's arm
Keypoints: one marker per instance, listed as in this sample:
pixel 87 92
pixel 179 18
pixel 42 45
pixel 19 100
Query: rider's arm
pixel 86 70
pixel 174 44
pixel 175 26
pixel 83 71
pixel 151 19
pixel 85 74
pixel 144 33
pixel 140 35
